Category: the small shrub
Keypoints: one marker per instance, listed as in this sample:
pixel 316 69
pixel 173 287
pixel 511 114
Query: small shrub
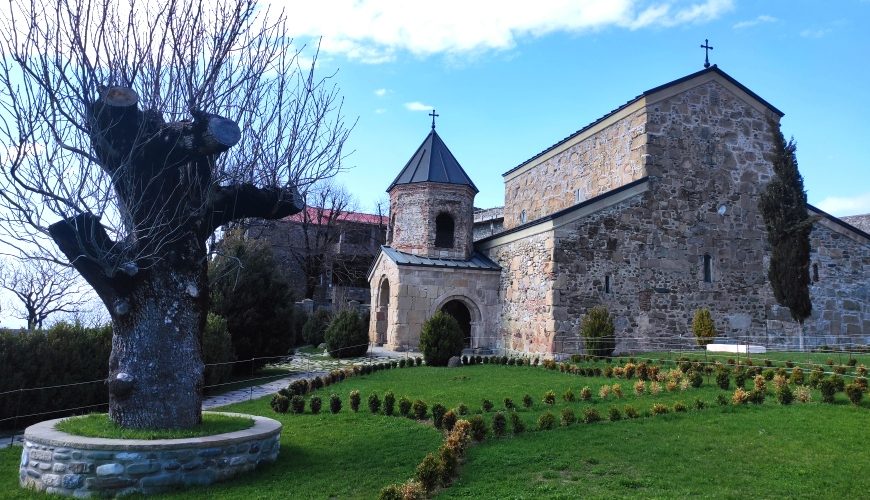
pixel 616 389
pixel 569 395
pixel 784 395
pixel 739 377
pixel 604 391
pixel 440 339
pixel 448 420
pixel 315 403
pixel 478 428
pixel 680 407
pixel 401 363
pixel 486 405
pixel 462 409
pixel 297 404
pixel 428 472
pixel 803 394
pixel 613 414
pixel 586 393
pixel 438 411
pixel 630 411
pixel 740 396
pixel 608 371
pixel 420 408
pixel 546 421
pixel 549 398
pixel 756 396
pixel 779 381
pixel 298 387
pixel 314 329
pixel 418 361
pixel 703 327
pixel 499 424
pixel 404 406
pixel 852 362
pixel 854 392
pixel 699 404
pixel 280 403
pixel 828 389
pixel 721 400
pixel 797 376
pixel 671 385
pixel 354 400
pixel 861 371
pixel 374 403
pixel 695 378
pixel 568 417
pixel 597 331
pixel 639 388
pixel 816 377
pixel 391 492
pixel 449 457
pixel 759 382
pixel 509 404
pixel 389 403
pixel 841 369
pixel 527 401
pixel 839 383
pixel 655 388
pixel 659 409
pixel 768 374
pixel 347 335
pixel 334 403
pixel 590 416
pixel 517 423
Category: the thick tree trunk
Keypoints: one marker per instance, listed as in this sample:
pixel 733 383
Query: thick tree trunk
pixel 156 369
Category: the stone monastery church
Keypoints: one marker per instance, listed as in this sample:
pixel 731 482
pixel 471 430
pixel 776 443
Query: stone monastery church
pixel 651 211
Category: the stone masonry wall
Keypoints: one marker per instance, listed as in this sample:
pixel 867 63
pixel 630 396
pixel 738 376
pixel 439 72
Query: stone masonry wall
pixel 416 292
pixel 413 210
pixel 605 161
pixel 526 287
pixel 57 463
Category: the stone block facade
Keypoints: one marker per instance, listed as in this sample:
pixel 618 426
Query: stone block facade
pixel 405 296
pixel 686 236
pixel 58 463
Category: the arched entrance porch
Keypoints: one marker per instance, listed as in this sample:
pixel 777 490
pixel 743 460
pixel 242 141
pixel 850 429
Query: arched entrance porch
pixel 462 316
pixel 382 312
pixel 467 314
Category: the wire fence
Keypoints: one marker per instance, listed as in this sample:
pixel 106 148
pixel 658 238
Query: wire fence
pixel 663 351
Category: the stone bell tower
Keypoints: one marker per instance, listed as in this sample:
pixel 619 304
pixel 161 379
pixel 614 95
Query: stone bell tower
pixel 432 204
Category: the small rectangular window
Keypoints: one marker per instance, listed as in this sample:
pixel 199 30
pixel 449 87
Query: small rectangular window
pixel 607 283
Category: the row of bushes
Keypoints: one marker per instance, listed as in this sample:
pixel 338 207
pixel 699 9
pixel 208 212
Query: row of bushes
pixel 70 353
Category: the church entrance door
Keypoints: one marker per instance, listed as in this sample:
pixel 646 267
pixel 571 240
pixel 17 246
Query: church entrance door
pixel 462 316
pixel 382 313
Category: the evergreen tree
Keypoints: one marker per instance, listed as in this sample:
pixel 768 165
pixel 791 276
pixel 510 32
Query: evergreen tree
pixel 784 208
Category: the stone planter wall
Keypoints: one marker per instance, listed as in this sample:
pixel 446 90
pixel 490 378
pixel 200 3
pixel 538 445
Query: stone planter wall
pixel 56 462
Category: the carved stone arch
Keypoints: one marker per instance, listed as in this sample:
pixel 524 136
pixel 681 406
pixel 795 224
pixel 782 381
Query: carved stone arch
pixel 476 318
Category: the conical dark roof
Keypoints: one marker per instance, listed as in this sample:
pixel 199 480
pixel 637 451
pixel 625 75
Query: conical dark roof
pixel 433 162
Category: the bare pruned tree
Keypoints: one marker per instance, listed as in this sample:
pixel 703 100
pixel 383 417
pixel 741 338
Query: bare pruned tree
pixel 131 131
pixel 43 289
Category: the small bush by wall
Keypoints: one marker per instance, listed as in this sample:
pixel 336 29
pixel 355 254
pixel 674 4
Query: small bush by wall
pixel 347 335
pixel 440 339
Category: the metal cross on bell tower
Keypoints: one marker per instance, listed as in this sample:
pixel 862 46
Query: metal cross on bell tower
pixel 433 115
pixel 707 48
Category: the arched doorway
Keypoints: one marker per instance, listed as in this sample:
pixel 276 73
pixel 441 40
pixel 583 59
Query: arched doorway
pixel 462 316
pixel 382 313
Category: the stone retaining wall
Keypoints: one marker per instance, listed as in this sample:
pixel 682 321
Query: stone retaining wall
pixel 56 462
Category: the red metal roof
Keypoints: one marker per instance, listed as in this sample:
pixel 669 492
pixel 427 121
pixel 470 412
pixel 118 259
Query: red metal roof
pixel 316 214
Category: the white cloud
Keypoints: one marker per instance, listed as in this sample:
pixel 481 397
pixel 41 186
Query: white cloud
pixel 755 22
pixel 418 106
pixel 846 205
pixel 381 92
pixel 815 33
pixel 380 111
pixel 374 31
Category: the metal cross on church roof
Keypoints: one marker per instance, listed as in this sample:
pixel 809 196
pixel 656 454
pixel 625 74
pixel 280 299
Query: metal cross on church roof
pixel 433 115
pixel 707 48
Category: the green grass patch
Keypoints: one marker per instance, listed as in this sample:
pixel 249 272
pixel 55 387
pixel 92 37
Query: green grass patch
pixel 99 425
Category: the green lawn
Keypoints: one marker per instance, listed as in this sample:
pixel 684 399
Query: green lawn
pixel 805 450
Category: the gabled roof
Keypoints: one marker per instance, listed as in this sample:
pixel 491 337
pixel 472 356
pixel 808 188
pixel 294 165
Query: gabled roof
pixel 712 69
pixel 321 216
pixel 477 260
pixel 433 162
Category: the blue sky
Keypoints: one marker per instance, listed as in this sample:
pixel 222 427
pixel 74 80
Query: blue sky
pixel 511 78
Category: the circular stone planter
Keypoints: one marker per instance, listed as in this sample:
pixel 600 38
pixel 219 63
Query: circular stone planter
pixel 57 462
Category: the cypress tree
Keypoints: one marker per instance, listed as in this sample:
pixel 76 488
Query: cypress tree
pixel 784 208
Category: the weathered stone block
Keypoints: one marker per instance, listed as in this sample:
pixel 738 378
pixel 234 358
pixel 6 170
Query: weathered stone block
pixel 140 468
pixel 112 469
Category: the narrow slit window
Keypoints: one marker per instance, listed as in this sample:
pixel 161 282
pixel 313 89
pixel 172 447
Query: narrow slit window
pixel 708 268
pixel 815 273
pixel 523 217
pixel 607 283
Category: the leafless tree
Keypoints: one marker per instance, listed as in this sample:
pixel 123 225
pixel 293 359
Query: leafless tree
pixel 118 120
pixel 42 289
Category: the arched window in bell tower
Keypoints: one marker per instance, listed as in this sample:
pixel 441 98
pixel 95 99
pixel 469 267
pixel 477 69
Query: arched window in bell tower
pixel 444 231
